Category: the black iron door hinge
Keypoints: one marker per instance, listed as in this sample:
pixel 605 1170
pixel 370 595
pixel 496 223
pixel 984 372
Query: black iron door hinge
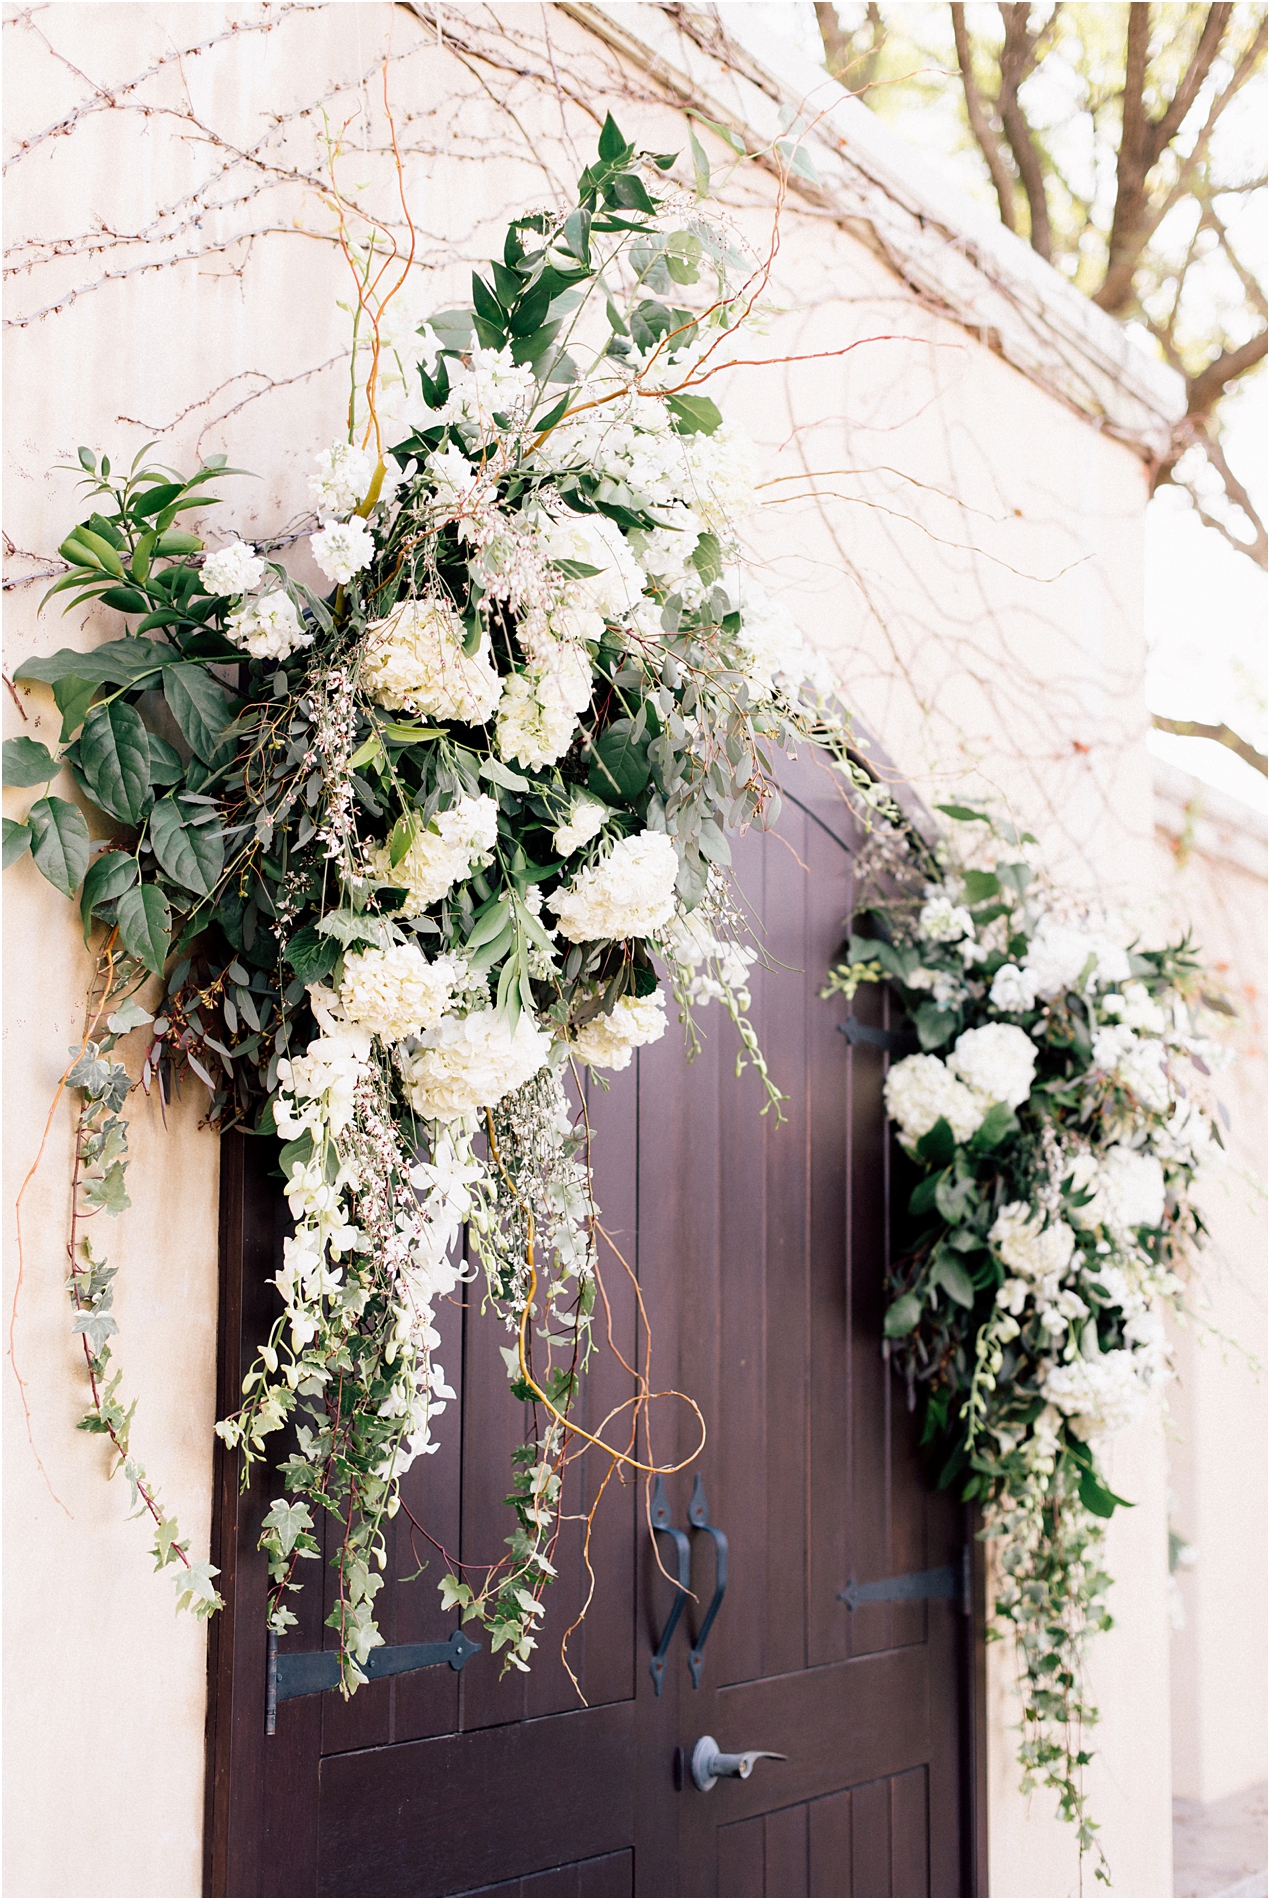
pixel 951 1580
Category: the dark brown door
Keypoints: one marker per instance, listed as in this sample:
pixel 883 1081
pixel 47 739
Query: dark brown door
pixel 759 1252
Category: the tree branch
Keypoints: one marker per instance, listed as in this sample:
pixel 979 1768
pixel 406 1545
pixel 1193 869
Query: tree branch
pixel 1203 391
pixel 1017 59
pixel 985 138
pixel 841 55
pixel 1223 735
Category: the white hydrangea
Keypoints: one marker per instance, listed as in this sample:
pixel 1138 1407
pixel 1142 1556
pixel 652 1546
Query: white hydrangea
pixel 461 489
pixel 1058 954
pixel 1030 1248
pixel 595 541
pixel 1187 1136
pixel 437 860
pixel 268 627
pixel 491 384
pixel 395 993
pixel 585 819
pixel 942 921
pixel 1100 1396
pixel 1133 1184
pixel 1135 1062
pixel 538 712
pixel 723 469
pixel 1136 1008
pixel 467 1063
pixel 414 659
pixel 920 1091
pixel 1013 990
pixel 235 569
pixel 945 989
pixel 342 481
pixel 316 1089
pixel 630 893
pixel 342 549
pixel 998 1062
pixel 607 1042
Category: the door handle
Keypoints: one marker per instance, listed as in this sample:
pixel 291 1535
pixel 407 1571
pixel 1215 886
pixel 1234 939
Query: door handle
pixel 660 1516
pixel 698 1518
pixel 708 1764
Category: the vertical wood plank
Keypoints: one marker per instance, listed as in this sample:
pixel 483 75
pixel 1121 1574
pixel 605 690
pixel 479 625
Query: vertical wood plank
pixel 871 1839
pixel 829 1846
pixel 785 1852
pixel 910 1833
pixel 741 1859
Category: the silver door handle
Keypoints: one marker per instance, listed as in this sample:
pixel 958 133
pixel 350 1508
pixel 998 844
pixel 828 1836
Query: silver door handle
pixel 708 1764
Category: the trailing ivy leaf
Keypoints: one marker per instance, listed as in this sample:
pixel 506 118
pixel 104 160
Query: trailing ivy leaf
pixel 114 760
pixel 110 876
pixel 27 762
pixel 311 955
pixel 200 708
pixel 17 841
pixel 952 1276
pixel 902 1315
pixel 192 853
pixel 59 842
pixel 694 415
pixel 938 1145
pixel 621 761
pixel 145 924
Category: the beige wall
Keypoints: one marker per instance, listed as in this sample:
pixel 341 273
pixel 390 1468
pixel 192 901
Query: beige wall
pixel 971 559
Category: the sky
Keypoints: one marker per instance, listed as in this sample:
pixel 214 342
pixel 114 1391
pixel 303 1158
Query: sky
pixel 1205 607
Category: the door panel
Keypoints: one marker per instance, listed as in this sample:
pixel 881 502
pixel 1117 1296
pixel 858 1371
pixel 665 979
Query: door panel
pixel 759 1251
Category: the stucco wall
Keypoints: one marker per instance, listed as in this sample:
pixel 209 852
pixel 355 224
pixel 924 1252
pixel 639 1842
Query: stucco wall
pixel 970 559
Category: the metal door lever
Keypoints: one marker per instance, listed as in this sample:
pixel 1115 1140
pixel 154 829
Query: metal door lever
pixel 708 1764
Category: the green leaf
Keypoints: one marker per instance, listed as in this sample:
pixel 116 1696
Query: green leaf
pixel 902 1315
pixel 166 764
pixel 980 886
pixel 17 840
pixel 201 709
pixel 938 1145
pixel 145 924
pixel 27 762
pixel 612 144
pixel 311 955
pixel 152 500
pixel 402 836
pixel 694 415
pixel 125 600
pixel 73 697
pixel 700 165
pixel 964 814
pixel 114 759
pixel 503 775
pixel 98 546
pixel 952 1276
pixel 923 1197
pixel 401 733
pixel 127 662
pixel 109 876
pixel 933 1024
pixel 999 1122
pixel 192 853
pixel 621 760
pixel 59 842
pixel 707 558
pixel 1095 1496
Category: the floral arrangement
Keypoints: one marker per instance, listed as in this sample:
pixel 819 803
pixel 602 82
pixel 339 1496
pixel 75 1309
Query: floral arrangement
pixel 1057 1120
pixel 402 856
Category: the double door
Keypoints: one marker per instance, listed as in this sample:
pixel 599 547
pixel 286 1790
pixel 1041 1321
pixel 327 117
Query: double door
pixel 745 1260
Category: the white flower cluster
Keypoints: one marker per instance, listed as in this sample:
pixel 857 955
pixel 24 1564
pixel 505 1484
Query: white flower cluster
pixel 630 893
pixel 1058 956
pixel 467 1063
pixel 538 712
pixel 268 627
pixel 437 860
pixel 585 819
pixel 1135 1062
pixel 608 1042
pixel 414 660
pixel 232 570
pixel 993 1064
pixel 690 943
pixel 396 993
pixel 1126 1189
pixel 342 481
pixel 1101 1395
pixel 342 549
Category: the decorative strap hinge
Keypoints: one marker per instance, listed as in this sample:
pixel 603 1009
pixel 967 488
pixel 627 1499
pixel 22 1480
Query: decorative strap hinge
pixel 950 1580
pixel 310 1671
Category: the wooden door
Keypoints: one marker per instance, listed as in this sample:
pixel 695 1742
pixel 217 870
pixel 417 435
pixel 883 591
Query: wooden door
pixel 759 1252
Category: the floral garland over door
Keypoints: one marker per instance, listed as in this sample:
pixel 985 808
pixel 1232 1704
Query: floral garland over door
pixel 403 857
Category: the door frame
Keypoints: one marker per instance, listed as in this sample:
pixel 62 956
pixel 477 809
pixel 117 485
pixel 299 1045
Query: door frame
pixel 237 1809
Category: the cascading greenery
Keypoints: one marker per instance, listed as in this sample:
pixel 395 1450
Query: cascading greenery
pixel 1055 1124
